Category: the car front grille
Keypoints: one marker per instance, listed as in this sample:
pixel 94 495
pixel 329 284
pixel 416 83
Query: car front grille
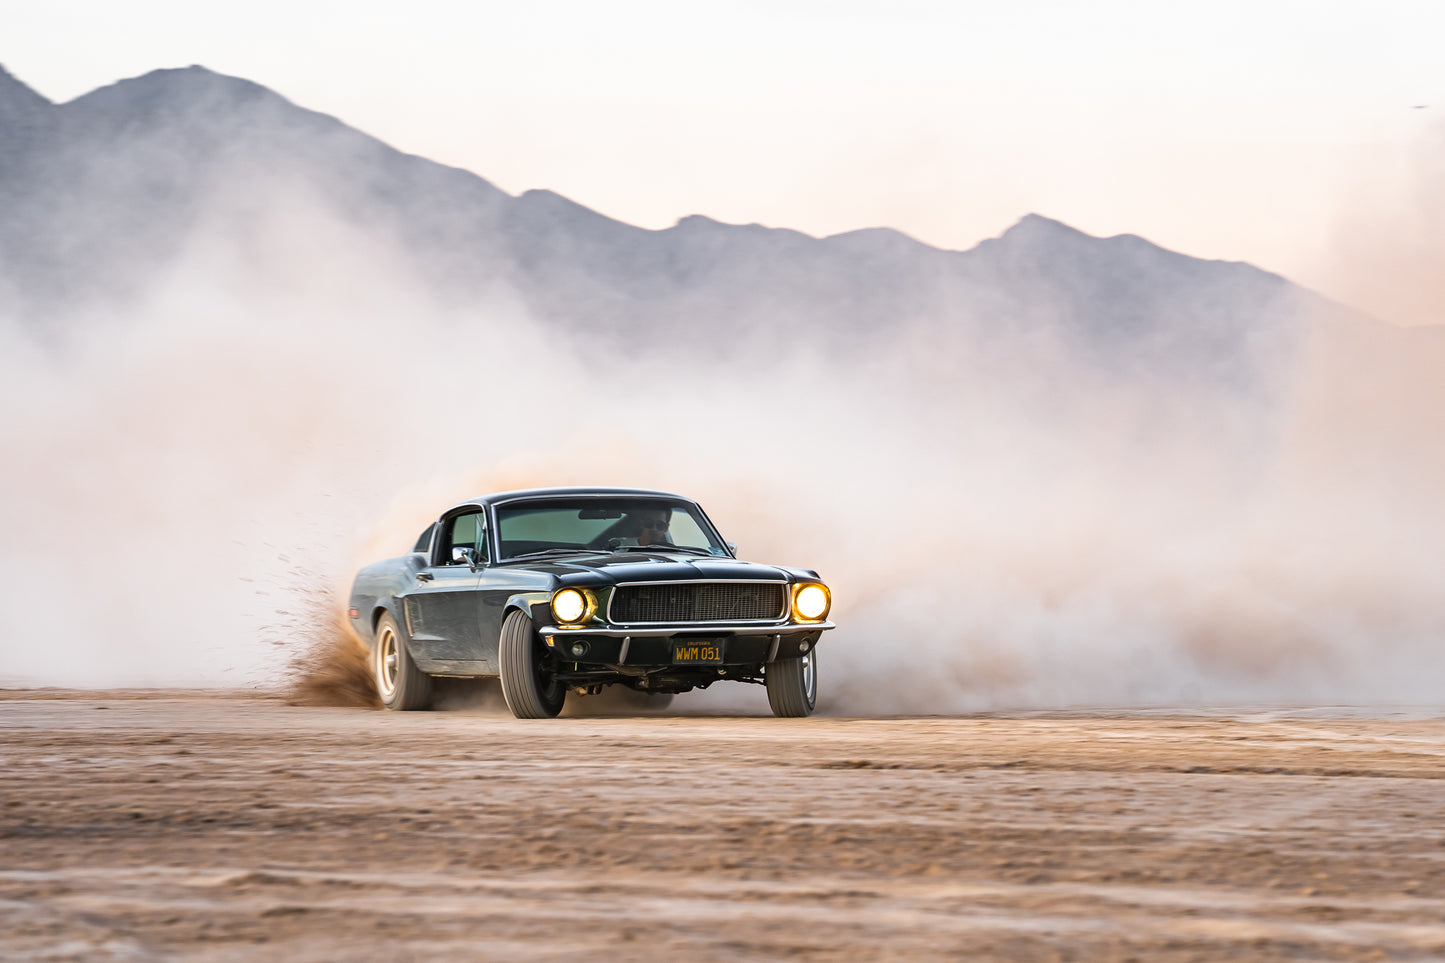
pixel 698 602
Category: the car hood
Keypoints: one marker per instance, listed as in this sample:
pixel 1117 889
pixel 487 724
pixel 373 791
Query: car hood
pixel 660 566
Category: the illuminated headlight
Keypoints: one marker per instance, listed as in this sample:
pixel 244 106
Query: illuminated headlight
pixel 569 605
pixel 811 601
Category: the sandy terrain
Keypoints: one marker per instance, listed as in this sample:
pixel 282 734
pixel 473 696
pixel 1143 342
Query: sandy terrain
pixel 228 827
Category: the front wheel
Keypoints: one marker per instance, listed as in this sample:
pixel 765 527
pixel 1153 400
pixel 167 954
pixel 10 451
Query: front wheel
pixel 399 682
pixel 793 686
pixel 529 683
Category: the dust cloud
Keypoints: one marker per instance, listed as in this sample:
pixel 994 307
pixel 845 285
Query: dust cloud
pixel 193 480
pixel 1389 243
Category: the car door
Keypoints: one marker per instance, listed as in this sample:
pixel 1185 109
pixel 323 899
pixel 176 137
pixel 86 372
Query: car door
pixel 443 607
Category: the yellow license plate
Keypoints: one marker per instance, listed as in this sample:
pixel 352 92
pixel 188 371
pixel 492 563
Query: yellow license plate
pixel 697 653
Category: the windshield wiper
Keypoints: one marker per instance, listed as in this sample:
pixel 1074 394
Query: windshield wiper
pixel 558 551
pixel 664 548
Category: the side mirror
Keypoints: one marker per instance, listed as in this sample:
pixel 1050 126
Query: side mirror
pixel 467 555
pixel 732 548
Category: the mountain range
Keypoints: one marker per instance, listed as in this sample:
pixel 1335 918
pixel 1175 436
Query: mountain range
pixel 103 192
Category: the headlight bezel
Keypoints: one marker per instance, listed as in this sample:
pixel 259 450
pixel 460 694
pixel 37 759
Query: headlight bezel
pixel 799 589
pixel 588 605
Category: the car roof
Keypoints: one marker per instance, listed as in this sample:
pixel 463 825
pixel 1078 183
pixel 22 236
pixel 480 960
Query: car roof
pixel 520 494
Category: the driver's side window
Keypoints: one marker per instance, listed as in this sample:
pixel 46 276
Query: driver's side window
pixel 463 532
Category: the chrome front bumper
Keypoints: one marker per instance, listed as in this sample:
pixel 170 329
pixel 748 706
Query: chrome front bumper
pixel 800 636
pixel 711 628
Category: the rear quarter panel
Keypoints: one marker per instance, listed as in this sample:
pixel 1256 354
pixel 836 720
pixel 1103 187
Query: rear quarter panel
pixel 376 588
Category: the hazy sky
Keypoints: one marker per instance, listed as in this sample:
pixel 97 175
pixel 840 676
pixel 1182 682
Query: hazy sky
pixel 1242 130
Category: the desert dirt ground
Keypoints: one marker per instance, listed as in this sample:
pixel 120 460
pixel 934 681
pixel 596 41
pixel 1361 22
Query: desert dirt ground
pixel 216 827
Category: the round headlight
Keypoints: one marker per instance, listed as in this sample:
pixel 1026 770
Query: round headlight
pixel 811 601
pixel 569 605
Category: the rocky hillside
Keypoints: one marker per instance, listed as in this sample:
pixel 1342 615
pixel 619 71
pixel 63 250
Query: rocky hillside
pixel 103 192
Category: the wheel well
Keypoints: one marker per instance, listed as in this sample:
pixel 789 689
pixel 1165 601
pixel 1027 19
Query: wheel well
pixel 376 617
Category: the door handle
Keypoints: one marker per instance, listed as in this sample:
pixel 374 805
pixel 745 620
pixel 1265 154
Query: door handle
pixel 424 576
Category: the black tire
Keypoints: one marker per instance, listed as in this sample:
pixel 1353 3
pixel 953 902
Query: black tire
pixel 528 684
pixel 793 686
pixel 399 683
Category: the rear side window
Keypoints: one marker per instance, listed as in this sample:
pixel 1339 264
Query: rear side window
pixel 423 542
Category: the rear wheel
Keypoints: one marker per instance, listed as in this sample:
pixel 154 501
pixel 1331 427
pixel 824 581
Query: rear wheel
pixel 529 683
pixel 399 682
pixel 793 685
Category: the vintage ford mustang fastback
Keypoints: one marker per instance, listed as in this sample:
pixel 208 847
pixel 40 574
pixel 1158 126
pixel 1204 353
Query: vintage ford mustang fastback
pixel 573 589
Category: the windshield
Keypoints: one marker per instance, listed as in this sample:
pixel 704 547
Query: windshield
pixel 603 525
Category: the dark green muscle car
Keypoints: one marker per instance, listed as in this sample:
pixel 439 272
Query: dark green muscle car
pixel 561 590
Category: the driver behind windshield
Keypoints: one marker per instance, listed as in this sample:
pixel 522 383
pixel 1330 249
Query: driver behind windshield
pixel 651 524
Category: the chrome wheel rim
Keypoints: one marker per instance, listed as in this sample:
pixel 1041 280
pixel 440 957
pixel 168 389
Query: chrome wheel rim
pixel 386 662
pixel 810 679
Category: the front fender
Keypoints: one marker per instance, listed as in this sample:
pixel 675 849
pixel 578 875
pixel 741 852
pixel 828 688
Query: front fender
pixel 537 606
